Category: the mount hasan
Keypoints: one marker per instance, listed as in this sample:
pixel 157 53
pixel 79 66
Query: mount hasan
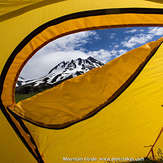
pixel 61 72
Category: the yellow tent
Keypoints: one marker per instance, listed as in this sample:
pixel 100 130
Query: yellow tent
pixel 122 121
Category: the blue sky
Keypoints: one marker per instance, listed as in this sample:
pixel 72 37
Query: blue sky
pixel 104 45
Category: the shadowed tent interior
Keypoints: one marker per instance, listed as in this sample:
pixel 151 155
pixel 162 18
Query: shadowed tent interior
pixel 12 8
pixel 124 120
pixel 157 1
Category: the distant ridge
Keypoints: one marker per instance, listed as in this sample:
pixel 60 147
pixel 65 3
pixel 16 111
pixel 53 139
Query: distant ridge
pixel 61 72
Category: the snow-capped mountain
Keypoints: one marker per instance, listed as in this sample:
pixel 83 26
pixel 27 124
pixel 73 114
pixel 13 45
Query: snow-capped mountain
pixel 61 72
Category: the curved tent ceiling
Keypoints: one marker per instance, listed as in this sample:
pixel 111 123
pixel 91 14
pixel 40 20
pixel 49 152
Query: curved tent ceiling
pixel 28 25
pixel 12 8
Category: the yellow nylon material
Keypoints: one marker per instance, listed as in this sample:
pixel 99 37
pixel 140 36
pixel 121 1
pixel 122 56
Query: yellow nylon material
pixel 124 129
pixel 58 30
pixel 7 6
pixel 76 98
pixel 23 133
pixel 12 150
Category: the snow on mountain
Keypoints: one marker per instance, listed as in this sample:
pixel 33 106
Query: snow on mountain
pixel 61 72
pixel 20 82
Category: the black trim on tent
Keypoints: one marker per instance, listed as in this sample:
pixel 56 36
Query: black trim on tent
pixel 31 138
pixel 38 156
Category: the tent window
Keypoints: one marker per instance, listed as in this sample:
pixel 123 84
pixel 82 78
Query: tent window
pixel 76 54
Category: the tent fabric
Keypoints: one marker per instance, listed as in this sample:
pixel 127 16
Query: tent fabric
pixel 12 8
pixel 126 128
pixel 11 148
pixel 7 6
pixel 71 101
pixel 24 133
pixel 28 25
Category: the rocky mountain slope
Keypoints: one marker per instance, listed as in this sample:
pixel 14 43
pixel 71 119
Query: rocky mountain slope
pixel 61 72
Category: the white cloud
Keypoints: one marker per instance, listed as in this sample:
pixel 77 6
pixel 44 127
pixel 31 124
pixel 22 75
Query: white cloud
pixel 156 31
pixel 142 30
pixel 101 55
pixel 106 55
pixel 141 38
pixel 131 31
pixel 116 46
pixel 71 42
pixel 64 48
pixel 40 66
pixel 122 51
pixel 137 40
pixel 112 35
